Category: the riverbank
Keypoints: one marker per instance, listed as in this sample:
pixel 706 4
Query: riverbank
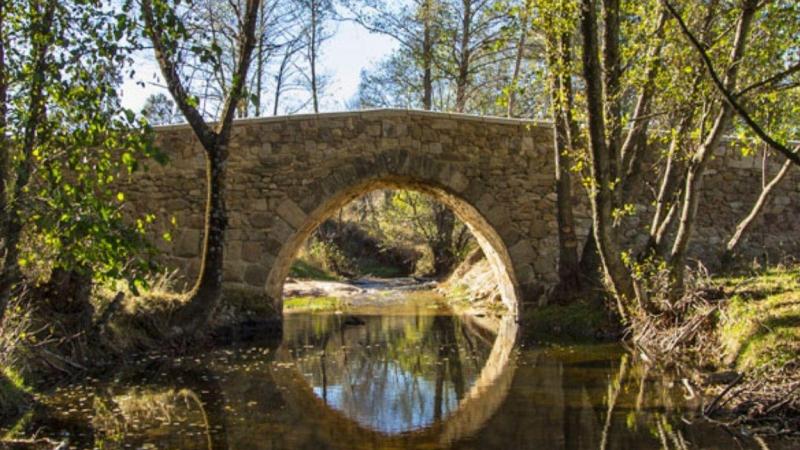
pixel 738 345
pixel 735 340
pixel 758 336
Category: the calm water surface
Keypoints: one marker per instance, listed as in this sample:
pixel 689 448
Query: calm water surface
pixel 411 378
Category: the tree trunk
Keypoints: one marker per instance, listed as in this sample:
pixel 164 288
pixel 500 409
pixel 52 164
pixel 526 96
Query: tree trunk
pixel 523 36
pixel 694 174
pixel 442 246
pixel 743 226
pixel 205 296
pixel 601 161
pixel 12 226
pixel 4 161
pixel 208 287
pixel 560 59
pixel 635 144
pixel 427 58
pixel 4 150
pixel 259 64
pixel 668 197
pixel 613 96
pixel 313 55
pixel 279 81
pixel 590 266
pixel 462 80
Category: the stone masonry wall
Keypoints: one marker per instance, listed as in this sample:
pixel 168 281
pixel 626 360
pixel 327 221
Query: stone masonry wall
pixel 287 174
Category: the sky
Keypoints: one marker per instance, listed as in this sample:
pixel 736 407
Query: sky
pixel 350 49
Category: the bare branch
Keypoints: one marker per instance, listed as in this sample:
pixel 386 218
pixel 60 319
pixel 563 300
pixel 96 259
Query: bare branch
pixel 247 43
pixel 170 73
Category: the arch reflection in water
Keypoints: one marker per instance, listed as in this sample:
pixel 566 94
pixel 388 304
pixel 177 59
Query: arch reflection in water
pixel 251 396
pixel 390 373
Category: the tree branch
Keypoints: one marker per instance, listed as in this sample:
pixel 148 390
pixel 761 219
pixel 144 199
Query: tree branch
pixel 247 43
pixel 773 79
pixel 170 73
pixel 726 94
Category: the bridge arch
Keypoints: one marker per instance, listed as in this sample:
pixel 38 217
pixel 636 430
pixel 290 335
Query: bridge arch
pixel 394 170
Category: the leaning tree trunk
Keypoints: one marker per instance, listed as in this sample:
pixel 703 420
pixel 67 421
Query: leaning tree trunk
pixel 206 294
pixel 744 225
pixel 690 201
pixel 666 198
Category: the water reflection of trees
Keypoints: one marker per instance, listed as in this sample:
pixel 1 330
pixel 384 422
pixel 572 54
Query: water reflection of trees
pixel 597 397
pixel 575 397
pixel 176 407
pixel 393 373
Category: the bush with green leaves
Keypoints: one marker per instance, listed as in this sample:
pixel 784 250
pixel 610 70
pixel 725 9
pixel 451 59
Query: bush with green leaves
pixel 67 142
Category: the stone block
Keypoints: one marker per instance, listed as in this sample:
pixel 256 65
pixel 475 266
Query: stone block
pixel 281 230
pixel 187 243
pixel 457 181
pixel 522 252
pixel 255 275
pixel 259 204
pixel 291 213
pixel 233 272
pixel 233 249
pixel 252 251
pixel 260 219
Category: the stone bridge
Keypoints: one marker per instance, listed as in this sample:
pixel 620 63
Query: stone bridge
pixel 288 174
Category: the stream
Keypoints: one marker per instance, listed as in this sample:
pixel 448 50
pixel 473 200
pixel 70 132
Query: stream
pixel 410 376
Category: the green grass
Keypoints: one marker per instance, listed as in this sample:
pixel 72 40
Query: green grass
pixel 761 324
pixel 305 270
pixel 311 304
